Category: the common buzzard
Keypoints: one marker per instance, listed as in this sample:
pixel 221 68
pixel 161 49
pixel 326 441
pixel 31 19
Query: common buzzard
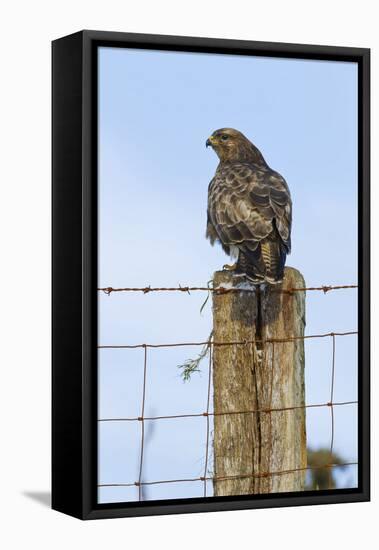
pixel 249 208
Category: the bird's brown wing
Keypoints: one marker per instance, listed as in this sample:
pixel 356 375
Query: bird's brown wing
pixel 245 204
pixel 280 201
pixel 211 232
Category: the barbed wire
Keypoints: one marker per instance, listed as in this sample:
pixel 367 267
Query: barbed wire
pixel 220 289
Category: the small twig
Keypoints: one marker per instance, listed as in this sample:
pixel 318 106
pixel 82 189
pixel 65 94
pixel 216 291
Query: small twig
pixel 210 289
pixel 192 365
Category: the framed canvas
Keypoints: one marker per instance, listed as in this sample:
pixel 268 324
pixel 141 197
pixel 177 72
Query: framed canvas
pixel 184 381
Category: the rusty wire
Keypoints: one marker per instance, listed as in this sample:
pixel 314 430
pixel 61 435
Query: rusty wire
pixel 207 413
pixel 237 476
pixel 220 290
pixel 331 407
pixel 141 418
pixel 222 413
pixel 232 343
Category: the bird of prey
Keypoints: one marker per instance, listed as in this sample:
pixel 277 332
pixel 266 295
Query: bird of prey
pixel 249 209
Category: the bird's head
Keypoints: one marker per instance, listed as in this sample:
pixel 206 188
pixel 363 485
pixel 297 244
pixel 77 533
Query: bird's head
pixel 231 145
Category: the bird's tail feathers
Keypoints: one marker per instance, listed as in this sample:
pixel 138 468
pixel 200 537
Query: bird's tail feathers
pixel 265 264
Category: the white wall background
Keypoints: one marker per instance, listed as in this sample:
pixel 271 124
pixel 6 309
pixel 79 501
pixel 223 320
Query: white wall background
pixel 27 29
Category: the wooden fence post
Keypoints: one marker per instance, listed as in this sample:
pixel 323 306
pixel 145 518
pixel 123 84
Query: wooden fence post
pixel 254 377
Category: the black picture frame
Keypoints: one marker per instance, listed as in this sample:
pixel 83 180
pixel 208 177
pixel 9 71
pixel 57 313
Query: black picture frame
pixel 74 271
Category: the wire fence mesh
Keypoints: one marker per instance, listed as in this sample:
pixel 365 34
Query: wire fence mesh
pixel 207 413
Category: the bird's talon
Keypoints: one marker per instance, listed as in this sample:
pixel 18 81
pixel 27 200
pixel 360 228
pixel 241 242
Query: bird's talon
pixel 228 267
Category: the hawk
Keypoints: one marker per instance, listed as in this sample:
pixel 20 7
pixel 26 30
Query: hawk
pixel 249 209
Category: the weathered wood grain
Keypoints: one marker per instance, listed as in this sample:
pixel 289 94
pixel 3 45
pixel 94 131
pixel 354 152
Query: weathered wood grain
pixel 259 376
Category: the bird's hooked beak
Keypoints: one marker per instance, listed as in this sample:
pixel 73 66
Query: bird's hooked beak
pixel 208 143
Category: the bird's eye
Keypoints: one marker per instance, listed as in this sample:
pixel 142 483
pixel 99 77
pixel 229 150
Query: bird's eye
pixel 224 137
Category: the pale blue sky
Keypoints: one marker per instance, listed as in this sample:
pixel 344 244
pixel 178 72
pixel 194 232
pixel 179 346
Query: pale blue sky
pixel 156 110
